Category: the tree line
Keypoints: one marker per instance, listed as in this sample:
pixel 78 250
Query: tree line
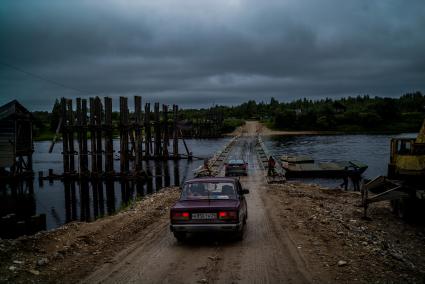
pixel 351 114
pixel 362 113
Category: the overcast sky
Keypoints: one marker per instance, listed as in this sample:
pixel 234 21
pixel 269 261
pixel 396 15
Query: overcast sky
pixel 203 52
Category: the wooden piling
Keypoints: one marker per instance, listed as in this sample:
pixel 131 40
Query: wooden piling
pixel 148 137
pixel 109 145
pixel 70 127
pixel 84 136
pixel 124 162
pixel 64 129
pixel 175 133
pixel 79 133
pixel 157 129
pixel 93 134
pixel 98 123
pixel 138 133
pixel 165 131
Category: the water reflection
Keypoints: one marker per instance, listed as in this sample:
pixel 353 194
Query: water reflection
pixel 110 197
pixel 18 210
pixel 87 200
pixel 176 172
pixel 64 202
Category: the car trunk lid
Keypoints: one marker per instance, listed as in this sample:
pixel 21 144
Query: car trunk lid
pixel 205 211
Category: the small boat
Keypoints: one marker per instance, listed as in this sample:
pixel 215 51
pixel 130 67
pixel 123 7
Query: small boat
pixel 322 169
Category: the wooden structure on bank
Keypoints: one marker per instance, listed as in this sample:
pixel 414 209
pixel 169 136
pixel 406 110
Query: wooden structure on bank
pixel 16 144
pixel 17 203
pixel 143 136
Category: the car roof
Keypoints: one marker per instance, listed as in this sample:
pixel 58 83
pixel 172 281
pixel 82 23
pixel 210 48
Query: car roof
pixel 212 179
pixel 236 162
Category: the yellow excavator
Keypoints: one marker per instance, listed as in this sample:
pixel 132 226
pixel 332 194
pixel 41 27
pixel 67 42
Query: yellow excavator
pixel 404 186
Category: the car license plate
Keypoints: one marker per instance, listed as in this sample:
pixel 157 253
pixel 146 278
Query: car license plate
pixel 204 216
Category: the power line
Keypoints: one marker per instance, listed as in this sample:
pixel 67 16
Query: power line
pixel 41 77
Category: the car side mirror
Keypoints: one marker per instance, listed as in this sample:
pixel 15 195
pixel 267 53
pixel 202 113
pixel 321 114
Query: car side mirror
pixel 244 191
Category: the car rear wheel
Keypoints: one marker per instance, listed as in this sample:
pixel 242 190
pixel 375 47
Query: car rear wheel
pixel 240 234
pixel 180 236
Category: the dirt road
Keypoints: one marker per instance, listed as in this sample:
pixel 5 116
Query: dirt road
pixel 266 255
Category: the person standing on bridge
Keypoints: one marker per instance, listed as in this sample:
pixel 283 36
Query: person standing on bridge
pixel 207 168
pixel 271 165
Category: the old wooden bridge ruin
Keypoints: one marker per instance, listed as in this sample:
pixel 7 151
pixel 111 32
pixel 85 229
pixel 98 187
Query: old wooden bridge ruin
pixel 89 153
pixel 88 132
pixel 101 149
pixel 140 137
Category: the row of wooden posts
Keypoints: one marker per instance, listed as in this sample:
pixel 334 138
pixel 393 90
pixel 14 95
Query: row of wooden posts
pixel 140 137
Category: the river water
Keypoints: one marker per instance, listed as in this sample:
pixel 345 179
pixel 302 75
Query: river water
pixel 63 203
pixel 373 150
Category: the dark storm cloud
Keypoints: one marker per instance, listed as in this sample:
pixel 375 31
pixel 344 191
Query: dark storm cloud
pixel 201 52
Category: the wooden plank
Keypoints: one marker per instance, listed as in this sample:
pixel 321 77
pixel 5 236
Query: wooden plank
pixel 93 134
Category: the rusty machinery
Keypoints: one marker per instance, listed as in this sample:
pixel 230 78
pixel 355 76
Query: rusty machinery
pixel 404 186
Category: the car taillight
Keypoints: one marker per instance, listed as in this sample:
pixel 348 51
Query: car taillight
pixel 227 215
pixel 244 166
pixel 180 215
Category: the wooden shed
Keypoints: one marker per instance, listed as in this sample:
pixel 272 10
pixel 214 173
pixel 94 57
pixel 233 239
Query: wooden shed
pixel 16 144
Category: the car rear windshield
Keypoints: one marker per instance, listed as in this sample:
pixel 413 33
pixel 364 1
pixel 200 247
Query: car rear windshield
pixel 208 190
pixel 236 162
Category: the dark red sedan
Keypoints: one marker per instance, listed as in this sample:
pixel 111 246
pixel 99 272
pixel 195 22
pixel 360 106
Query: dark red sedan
pixel 210 205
